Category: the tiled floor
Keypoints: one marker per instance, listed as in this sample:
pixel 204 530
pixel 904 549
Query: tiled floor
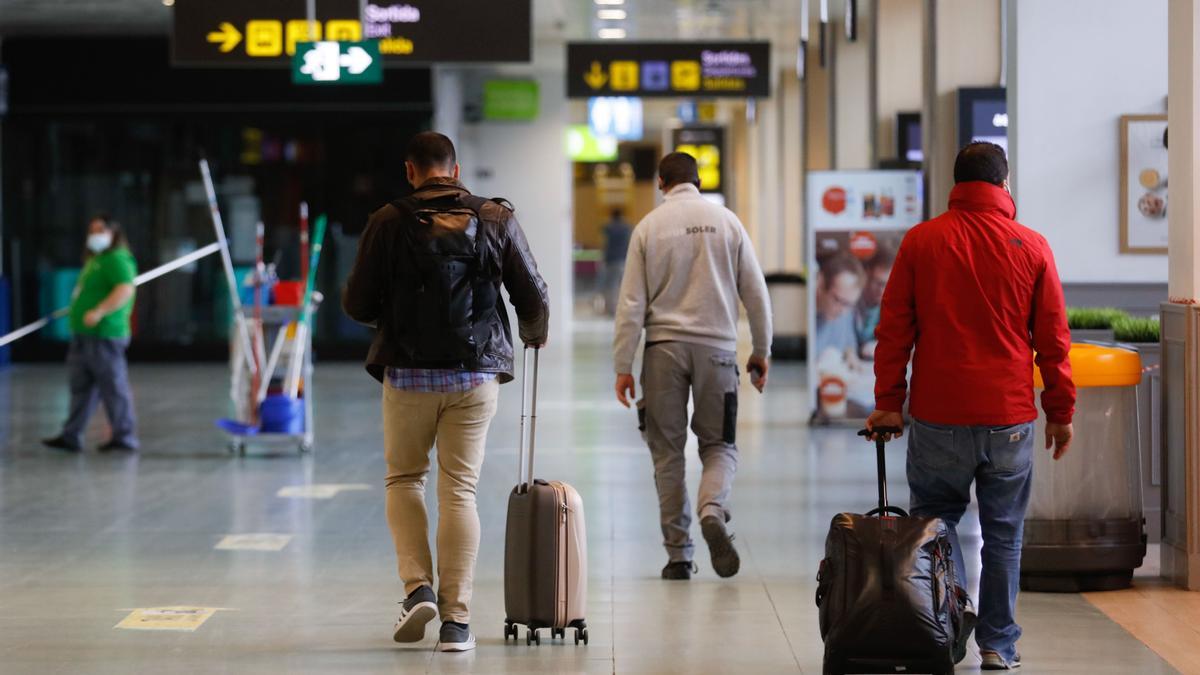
pixel 85 539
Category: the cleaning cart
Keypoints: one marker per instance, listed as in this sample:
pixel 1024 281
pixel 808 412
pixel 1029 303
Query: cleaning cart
pixel 272 395
pixel 280 419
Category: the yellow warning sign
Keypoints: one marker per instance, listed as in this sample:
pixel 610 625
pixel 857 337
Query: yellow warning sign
pixel 185 619
pixel 624 75
pixel 685 75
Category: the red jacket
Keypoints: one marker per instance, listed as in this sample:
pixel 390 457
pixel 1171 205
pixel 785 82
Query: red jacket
pixel 976 293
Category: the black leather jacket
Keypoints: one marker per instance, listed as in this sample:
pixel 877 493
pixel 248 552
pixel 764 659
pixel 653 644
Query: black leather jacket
pixel 378 275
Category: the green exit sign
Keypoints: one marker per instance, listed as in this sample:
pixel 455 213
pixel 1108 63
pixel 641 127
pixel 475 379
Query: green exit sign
pixel 337 63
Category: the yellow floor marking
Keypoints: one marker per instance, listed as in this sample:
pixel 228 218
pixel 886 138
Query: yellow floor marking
pixel 319 490
pixel 185 619
pixel 254 542
pixel 1166 619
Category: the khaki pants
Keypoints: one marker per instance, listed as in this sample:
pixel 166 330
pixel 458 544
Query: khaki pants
pixel 458 423
pixel 671 371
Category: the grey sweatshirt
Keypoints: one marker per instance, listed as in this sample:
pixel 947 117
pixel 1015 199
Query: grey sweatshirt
pixel 689 263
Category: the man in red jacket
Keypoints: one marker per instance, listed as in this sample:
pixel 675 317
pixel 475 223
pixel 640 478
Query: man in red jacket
pixel 977 294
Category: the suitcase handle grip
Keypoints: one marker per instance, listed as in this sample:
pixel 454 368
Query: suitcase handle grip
pixel 879 434
pixel 894 510
pixel 528 412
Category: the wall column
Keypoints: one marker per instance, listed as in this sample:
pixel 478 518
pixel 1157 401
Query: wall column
pixel 1181 316
pixel 962 49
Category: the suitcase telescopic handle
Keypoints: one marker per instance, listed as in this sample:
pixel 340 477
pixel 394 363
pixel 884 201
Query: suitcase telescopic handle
pixel 528 413
pixel 880 434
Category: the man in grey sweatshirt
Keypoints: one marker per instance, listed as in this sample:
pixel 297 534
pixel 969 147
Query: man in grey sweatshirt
pixel 689 263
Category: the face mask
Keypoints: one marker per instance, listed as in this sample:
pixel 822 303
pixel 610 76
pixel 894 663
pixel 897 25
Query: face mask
pixel 99 242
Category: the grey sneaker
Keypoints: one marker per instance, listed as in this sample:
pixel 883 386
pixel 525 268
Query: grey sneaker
pixel 993 661
pixel 456 637
pixel 419 608
pixel 725 560
pixel 680 570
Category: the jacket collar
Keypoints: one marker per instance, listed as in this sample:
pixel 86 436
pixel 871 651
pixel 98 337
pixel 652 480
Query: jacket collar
pixel 439 186
pixel 682 191
pixel 982 196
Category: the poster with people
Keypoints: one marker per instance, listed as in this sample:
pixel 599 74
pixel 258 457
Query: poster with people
pixel 856 223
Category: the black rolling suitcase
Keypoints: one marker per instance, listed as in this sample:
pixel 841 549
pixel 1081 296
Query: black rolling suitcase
pixel 886 591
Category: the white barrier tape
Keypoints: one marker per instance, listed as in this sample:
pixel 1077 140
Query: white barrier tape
pixel 137 281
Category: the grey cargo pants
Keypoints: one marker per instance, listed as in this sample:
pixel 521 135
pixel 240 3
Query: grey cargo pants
pixel 670 372
pixel 97 370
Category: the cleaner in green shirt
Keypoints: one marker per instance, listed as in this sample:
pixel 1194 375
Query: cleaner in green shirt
pixel 100 313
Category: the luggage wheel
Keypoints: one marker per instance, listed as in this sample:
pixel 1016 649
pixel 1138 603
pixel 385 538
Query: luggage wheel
pixel 581 634
pixel 510 631
pixel 532 637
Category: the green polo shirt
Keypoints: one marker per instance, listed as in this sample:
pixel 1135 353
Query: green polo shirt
pixel 100 275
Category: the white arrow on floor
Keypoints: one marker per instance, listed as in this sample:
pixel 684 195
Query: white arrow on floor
pixel 356 60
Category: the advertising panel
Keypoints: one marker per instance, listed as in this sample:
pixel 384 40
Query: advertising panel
pixel 856 220
pixel 647 69
pixel 235 32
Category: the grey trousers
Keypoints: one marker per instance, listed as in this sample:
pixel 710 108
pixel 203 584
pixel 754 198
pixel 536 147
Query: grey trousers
pixel 97 370
pixel 670 372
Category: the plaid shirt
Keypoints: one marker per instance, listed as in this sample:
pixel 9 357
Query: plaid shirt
pixel 436 381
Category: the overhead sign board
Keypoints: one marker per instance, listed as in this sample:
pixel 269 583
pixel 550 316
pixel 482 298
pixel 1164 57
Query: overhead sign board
pixel 337 63
pixel 646 69
pixel 266 32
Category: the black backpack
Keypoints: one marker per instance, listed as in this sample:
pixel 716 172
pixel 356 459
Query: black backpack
pixel 448 281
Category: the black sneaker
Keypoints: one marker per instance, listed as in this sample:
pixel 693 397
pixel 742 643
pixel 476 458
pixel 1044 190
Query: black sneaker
pixel 60 443
pixel 419 608
pixel 725 558
pixel 117 446
pixel 679 570
pixel 456 637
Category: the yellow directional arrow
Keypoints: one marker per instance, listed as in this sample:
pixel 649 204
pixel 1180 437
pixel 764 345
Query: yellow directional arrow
pixel 228 36
pixel 595 77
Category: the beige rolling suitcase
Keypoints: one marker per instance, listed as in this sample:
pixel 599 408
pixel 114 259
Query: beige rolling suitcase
pixel 545 552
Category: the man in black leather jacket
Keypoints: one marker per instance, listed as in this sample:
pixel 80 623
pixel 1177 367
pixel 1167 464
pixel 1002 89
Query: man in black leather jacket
pixel 428 277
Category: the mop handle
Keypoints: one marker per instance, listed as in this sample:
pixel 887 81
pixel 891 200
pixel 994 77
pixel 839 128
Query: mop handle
pixel 227 263
pixel 137 281
pixel 305 313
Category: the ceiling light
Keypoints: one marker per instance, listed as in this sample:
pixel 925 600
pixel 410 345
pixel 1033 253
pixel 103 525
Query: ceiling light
pixel 612 33
pixel 168 3
pixel 610 2
pixel 611 14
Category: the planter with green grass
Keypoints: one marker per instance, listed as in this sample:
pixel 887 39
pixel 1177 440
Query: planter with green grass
pixel 1092 324
pixel 1143 334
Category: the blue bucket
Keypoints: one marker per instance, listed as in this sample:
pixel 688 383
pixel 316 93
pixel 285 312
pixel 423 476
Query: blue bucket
pixel 282 415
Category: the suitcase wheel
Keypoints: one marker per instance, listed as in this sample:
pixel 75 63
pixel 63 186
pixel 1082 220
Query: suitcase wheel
pixel 581 634
pixel 510 631
pixel 532 637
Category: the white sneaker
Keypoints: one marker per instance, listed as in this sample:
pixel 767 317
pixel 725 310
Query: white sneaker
pixel 419 608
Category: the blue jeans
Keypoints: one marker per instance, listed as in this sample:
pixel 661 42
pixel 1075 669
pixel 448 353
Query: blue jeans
pixel 943 461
